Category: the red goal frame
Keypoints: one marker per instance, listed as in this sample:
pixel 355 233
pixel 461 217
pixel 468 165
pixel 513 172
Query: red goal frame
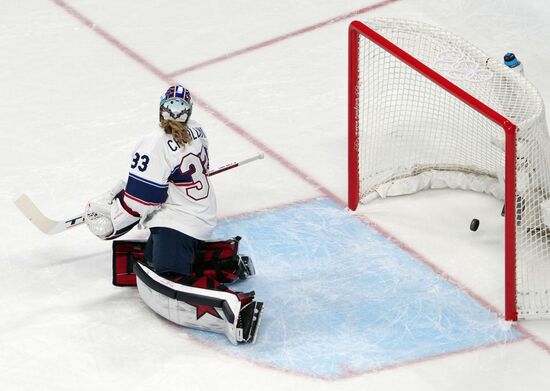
pixel 358 29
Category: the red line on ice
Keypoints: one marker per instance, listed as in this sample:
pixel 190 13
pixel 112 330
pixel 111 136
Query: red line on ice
pixel 280 38
pixel 109 38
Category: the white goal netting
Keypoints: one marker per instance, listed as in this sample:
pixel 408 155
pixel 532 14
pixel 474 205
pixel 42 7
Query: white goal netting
pixel 412 134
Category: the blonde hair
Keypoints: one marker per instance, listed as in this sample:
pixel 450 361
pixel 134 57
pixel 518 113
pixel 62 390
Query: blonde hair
pixel 178 130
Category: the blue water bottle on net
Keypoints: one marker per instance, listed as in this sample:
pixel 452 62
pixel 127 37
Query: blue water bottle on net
pixel 511 61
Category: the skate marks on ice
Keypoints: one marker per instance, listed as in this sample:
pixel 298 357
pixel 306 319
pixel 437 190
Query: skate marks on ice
pixel 341 299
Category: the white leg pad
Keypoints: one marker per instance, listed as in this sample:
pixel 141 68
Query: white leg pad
pixel 188 306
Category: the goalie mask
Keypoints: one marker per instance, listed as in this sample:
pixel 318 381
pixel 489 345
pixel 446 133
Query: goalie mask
pixel 176 104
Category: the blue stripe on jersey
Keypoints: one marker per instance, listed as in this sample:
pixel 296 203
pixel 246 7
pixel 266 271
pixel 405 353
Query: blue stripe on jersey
pixel 146 190
pixel 148 181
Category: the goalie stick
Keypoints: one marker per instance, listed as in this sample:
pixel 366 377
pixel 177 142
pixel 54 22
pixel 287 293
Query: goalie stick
pixel 52 227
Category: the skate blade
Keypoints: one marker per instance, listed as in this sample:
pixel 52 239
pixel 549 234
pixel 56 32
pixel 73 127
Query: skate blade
pixel 250 266
pixel 256 325
pixel 246 267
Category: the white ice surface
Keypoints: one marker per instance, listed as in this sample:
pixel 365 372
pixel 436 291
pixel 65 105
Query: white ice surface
pixel 73 104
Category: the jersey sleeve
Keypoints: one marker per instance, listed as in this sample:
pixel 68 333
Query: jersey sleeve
pixel 147 185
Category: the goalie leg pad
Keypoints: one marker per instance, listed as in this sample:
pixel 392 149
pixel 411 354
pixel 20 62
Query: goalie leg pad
pixel 125 254
pixel 204 309
pixel 222 259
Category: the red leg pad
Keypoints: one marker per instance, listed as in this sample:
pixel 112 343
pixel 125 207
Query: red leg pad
pixel 125 253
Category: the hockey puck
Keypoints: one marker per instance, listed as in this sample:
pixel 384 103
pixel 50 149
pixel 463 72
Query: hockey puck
pixel 474 225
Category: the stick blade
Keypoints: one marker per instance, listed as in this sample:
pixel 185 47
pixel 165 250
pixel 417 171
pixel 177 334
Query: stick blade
pixel 44 224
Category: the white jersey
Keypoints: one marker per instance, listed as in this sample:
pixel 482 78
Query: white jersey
pixel 168 183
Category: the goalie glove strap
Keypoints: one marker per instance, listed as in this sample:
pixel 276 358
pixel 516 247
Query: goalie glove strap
pixel 120 196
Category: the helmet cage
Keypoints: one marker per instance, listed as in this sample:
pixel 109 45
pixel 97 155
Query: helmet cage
pixel 176 104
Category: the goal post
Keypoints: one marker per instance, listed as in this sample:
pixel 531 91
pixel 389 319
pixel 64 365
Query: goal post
pixel 429 110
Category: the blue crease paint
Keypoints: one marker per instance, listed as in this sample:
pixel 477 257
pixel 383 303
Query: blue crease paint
pixel 341 297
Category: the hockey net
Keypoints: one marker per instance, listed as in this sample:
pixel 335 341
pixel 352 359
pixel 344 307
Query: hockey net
pixel 429 110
